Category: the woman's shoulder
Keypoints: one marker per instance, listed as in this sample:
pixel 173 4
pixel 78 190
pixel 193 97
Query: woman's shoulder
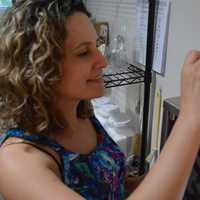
pixel 16 160
pixel 14 148
pixel 24 170
pixel 14 154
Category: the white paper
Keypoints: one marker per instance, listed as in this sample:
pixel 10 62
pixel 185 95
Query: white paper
pixel 161 34
pixel 160 46
pixel 141 35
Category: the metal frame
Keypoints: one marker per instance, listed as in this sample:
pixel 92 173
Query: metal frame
pixel 131 75
pixel 146 137
pixel 134 75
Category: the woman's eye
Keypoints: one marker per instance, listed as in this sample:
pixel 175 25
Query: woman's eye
pixel 83 53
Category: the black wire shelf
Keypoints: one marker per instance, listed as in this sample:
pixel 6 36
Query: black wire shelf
pixel 131 75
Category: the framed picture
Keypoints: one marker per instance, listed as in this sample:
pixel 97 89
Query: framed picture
pixel 102 29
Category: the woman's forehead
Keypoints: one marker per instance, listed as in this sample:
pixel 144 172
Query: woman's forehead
pixel 79 30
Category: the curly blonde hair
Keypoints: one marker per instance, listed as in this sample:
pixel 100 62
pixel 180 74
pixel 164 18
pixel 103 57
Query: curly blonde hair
pixel 31 45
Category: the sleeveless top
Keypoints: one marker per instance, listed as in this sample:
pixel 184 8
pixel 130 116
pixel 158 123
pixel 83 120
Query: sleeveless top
pixel 99 175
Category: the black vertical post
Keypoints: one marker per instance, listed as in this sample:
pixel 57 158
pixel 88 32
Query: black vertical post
pixel 146 139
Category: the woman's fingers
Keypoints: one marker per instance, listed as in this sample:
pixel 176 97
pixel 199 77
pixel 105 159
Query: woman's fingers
pixel 192 57
pixel 190 88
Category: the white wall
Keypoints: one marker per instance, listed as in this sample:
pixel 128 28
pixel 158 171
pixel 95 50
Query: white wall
pixel 184 34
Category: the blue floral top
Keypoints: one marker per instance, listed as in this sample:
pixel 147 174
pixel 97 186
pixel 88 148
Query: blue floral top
pixel 97 175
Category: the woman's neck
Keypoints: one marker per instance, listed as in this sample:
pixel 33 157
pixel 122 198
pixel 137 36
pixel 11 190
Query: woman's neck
pixel 68 111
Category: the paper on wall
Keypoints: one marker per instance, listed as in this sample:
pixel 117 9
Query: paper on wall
pixel 161 34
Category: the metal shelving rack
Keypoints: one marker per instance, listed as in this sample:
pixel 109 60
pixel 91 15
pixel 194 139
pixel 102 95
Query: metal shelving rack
pixel 135 75
pixel 131 75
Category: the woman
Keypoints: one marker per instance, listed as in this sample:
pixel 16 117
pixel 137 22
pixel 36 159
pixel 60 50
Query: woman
pixel 50 68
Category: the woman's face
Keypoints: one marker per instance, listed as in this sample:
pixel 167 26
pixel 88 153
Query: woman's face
pixel 83 63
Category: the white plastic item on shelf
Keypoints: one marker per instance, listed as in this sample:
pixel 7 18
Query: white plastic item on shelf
pixel 125 140
pixel 103 106
pixel 103 120
pixel 106 109
pixel 125 130
pixel 118 119
pixel 123 136
pixel 119 139
pixel 97 102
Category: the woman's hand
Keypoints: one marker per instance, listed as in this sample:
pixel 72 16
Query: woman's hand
pixel 190 90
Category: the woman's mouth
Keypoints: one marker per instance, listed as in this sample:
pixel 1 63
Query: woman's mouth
pixel 97 78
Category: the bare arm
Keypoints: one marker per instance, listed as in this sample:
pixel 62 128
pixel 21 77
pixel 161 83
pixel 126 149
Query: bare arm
pixel 26 175
pixel 167 179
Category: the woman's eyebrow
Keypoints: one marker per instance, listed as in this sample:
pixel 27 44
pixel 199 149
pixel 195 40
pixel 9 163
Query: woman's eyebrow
pixel 82 45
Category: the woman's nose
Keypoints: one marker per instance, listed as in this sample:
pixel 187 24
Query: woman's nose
pixel 100 59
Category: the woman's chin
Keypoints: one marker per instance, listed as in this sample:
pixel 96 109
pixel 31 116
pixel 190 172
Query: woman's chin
pixel 90 90
pixel 97 87
pixel 98 93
